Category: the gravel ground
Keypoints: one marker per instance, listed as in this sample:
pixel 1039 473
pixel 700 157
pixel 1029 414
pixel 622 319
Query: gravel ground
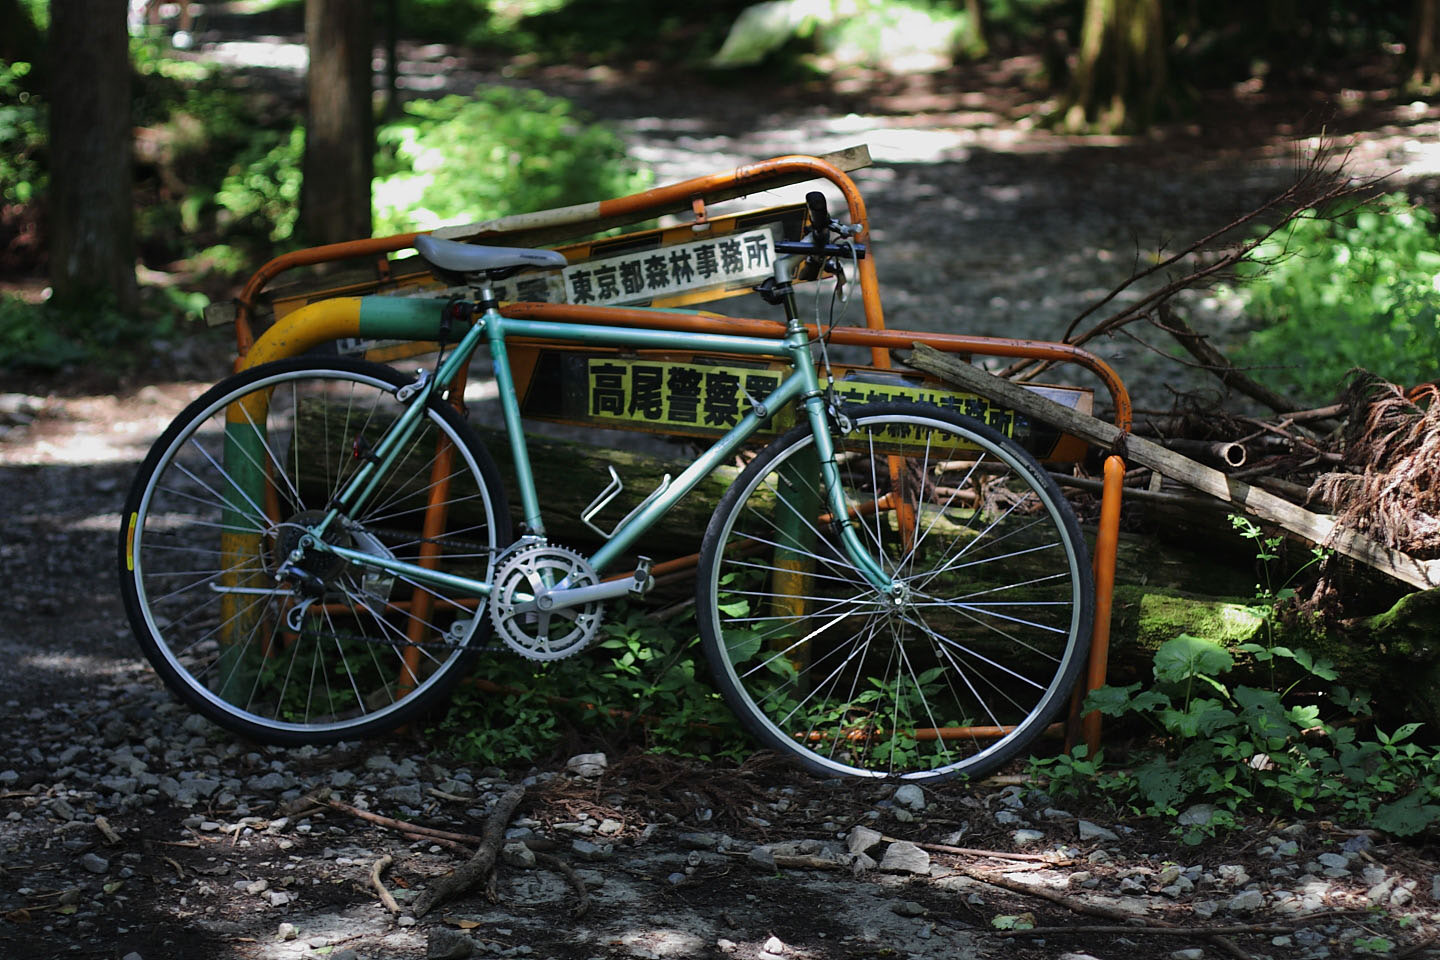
pixel 130 829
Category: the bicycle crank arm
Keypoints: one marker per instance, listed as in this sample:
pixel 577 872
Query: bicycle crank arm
pixel 565 598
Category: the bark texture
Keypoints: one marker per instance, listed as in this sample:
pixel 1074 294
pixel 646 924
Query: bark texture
pixel 92 242
pixel 340 124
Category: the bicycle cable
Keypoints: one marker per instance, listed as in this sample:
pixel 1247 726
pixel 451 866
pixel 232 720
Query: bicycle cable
pixel 823 331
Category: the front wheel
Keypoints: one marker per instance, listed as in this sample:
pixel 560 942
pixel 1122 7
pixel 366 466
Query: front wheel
pixel 339 649
pixel 957 670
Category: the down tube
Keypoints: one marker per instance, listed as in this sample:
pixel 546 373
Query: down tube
pixel 792 387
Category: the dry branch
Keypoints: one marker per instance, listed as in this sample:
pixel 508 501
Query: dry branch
pixel 402 826
pixel 1314 527
pixel 477 869
pixel 1217 363
pixel 376 870
pixel 1072 904
pixel 1318 183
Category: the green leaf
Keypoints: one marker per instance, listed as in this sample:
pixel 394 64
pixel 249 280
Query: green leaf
pixel 1407 816
pixel 1403 731
pixel 1009 921
pixel 1322 668
pixel 1203 718
pixel 1110 701
pixel 1186 657
pixel 742 647
pixel 1160 784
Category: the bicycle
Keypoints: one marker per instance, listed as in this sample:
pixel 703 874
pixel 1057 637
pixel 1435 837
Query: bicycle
pixel 317 549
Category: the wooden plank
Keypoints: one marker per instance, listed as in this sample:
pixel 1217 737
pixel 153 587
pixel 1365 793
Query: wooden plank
pixel 1315 527
pixel 546 227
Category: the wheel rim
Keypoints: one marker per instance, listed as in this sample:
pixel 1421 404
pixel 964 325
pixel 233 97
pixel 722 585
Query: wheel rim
pixel 219 513
pixel 954 673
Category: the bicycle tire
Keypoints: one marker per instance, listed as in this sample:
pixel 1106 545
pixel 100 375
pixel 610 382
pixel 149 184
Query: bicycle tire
pixel 956 677
pixel 215 509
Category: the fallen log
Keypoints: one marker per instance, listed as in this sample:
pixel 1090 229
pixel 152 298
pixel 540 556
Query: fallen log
pixel 1317 528
pixel 1395 653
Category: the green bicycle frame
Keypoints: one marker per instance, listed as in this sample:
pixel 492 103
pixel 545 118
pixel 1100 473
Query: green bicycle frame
pixel 802 384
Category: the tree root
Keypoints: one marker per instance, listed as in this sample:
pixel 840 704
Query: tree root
pixel 552 862
pixel 477 869
pixel 1128 929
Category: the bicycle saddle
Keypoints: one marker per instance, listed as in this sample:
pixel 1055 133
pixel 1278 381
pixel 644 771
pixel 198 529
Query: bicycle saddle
pixel 467 259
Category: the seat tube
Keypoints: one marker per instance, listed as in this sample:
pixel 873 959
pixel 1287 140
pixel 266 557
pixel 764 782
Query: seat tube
pixel 514 430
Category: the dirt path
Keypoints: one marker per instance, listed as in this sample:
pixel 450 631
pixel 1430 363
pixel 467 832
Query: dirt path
pixel 982 226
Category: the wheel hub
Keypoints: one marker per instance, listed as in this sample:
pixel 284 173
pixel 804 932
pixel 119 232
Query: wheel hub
pixel 318 569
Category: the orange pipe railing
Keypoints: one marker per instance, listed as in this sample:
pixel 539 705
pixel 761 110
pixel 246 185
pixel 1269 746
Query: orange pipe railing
pixel 690 195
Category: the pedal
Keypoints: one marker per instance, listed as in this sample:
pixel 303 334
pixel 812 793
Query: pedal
pixel 643 582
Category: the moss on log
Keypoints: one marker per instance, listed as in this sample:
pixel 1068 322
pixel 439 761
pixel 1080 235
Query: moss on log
pixel 1395 654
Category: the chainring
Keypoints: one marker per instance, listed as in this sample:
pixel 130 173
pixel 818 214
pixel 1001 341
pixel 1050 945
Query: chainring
pixel 543 634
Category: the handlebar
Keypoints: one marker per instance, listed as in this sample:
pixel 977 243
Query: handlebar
pixel 807 248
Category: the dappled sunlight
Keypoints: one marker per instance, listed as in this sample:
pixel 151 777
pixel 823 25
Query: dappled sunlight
pixel 89 667
pixel 98 429
pixel 267 52
pixel 664 942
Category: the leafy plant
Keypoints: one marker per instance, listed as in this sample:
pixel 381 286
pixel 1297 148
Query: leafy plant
pixel 1344 289
pixel 43 337
pixel 1247 748
pixel 502 151
pixel 637 684
pixel 263 185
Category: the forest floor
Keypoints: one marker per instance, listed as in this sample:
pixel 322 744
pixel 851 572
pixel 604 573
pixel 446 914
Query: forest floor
pixel 984 223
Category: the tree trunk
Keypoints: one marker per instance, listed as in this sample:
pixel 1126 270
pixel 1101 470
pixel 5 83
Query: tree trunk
pixel 1120 74
pixel 92 242
pixel 974 42
pixel 340 124
pixel 1425 46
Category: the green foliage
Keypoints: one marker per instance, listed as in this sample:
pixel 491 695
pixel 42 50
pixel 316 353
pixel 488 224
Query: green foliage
pixel 1255 749
pixel 1343 289
pixel 869 32
pixel 638 683
pixel 23 176
pixel 503 151
pixel 45 338
pixel 262 188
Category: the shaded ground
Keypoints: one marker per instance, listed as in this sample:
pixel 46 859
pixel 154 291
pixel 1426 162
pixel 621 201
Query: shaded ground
pixel 983 225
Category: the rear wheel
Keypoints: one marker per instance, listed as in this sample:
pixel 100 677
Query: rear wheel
pixel 957 672
pixel 339 649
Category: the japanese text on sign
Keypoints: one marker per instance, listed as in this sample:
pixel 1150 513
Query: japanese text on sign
pixel 665 271
pixel 678 394
pixel 702 396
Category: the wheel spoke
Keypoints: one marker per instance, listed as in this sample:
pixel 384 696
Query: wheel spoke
pixel 987 625
pixel 215 522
